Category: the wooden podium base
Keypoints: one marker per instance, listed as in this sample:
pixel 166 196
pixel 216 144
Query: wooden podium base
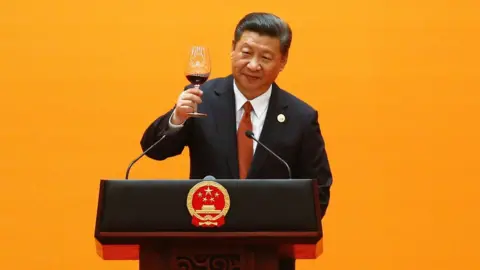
pixel 207 258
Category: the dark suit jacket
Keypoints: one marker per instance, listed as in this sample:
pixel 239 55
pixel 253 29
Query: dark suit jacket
pixel 212 141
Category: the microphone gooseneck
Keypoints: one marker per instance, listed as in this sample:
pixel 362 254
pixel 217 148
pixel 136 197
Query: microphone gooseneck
pixel 145 152
pixel 250 135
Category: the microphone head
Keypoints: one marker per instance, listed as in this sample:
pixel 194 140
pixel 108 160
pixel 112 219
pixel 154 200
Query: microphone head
pixel 249 134
pixel 209 177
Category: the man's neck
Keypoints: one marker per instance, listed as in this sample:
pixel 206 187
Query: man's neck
pixel 252 94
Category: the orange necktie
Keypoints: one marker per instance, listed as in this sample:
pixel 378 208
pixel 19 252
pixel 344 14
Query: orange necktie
pixel 245 144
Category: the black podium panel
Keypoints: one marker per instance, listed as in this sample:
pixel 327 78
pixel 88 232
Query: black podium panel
pixel 161 206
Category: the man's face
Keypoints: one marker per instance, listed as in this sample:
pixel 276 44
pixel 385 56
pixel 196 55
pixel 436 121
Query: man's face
pixel 256 62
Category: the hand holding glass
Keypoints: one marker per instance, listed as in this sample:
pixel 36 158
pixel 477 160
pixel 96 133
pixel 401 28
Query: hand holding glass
pixel 198 70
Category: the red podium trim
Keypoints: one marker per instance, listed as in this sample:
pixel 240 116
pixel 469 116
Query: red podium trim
pixel 132 252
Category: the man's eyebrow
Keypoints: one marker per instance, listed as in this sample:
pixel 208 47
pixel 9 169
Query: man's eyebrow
pixel 263 48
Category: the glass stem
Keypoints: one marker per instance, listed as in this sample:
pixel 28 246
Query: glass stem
pixel 198 87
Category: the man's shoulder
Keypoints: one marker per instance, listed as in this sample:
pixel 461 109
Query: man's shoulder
pixel 299 105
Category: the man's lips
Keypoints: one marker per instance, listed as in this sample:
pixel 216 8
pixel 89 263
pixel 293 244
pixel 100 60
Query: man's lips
pixel 251 77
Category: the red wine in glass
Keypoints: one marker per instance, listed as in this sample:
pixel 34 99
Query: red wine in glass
pixel 197 79
pixel 198 70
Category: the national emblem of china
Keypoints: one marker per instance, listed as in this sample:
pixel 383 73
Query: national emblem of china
pixel 208 203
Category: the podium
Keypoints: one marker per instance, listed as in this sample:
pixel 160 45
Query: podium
pixel 208 224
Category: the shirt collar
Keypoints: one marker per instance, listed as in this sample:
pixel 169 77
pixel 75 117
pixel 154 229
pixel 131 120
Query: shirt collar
pixel 259 103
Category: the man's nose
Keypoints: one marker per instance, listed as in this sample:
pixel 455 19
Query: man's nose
pixel 253 65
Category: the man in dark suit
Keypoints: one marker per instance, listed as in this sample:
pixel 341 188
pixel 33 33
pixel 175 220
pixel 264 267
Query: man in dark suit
pixel 249 99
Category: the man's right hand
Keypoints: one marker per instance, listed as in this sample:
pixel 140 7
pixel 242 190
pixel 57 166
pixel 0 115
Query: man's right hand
pixel 186 103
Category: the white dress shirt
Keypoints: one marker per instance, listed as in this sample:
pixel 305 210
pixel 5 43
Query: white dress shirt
pixel 259 104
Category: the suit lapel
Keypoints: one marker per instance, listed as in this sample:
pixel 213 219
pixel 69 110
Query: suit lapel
pixel 225 120
pixel 271 128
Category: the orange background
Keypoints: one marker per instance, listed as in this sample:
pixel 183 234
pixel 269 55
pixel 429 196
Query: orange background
pixel 396 84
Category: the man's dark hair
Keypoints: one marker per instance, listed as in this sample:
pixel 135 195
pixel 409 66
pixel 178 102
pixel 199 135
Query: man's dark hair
pixel 265 24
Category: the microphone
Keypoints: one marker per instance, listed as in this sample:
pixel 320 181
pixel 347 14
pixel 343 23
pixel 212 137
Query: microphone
pixel 250 135
pixel 145 152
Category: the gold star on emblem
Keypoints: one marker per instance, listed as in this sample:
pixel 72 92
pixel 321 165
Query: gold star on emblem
pixel 208 191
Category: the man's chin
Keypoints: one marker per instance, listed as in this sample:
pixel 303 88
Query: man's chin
pixel 251 80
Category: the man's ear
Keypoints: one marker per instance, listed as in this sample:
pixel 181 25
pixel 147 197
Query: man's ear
pixel 233 49
pixel 283 62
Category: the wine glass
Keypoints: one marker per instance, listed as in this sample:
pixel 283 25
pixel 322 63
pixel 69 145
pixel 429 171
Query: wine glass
pixel 198 70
